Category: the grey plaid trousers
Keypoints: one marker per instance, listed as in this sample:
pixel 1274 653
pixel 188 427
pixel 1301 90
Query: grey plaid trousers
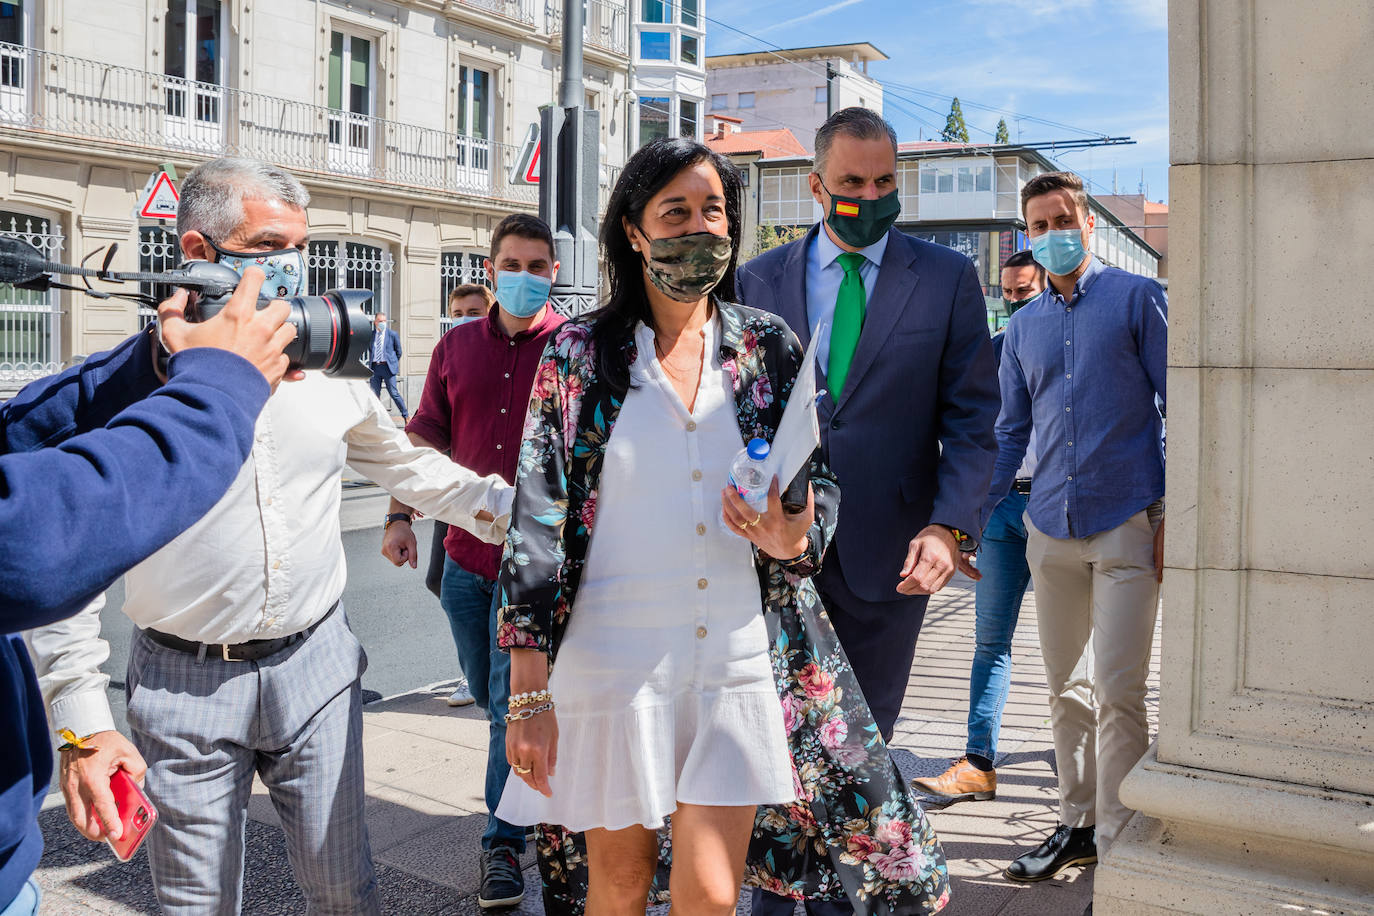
pixel 205 727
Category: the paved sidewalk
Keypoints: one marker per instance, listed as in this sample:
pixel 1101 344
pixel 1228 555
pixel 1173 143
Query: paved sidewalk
pixel 425 766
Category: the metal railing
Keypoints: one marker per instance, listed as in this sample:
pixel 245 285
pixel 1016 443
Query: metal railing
pixel 607 25
pixel 61 94
pixel 30 321
pixel 518 10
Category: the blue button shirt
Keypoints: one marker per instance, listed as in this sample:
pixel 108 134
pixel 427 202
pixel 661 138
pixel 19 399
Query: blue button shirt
pixel 1084 374
pixel 823 277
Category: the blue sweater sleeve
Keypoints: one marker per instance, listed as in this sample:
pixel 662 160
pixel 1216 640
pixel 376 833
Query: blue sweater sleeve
pixel 74 517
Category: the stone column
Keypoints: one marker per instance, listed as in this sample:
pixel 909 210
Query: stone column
pixel 1259 794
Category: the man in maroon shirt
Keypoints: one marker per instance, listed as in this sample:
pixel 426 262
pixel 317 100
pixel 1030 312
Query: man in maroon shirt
pixel 473 407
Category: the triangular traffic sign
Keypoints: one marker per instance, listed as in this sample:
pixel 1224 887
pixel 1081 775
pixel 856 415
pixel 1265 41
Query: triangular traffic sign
pixel 532 170
pixel 161 200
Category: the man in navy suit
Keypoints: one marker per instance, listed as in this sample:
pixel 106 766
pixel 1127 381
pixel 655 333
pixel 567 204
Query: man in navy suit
pixel 386 362
pixel 907 423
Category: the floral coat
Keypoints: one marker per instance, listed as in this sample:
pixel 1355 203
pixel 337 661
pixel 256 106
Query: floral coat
pixel 857 831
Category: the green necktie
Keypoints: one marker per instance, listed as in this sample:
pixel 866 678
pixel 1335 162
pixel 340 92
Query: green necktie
pixel 848 321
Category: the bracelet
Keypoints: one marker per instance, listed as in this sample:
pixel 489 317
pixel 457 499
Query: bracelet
pixel 395 517
pixel 528 713
pixel 529 699
pixel 74 743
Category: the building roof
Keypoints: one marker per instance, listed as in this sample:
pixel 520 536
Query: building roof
pixel 861 50
pixel 769 144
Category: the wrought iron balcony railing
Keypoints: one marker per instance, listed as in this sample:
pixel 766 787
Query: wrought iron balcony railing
pixel 58 94
pixel 607 24
pixel 517 10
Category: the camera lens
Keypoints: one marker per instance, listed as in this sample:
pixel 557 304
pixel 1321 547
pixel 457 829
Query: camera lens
pixel 333 333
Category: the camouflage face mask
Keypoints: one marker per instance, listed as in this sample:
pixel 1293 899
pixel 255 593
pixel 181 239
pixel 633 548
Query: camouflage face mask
pixel 687 267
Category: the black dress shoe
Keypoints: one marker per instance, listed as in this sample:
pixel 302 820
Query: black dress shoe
pixel 1066 847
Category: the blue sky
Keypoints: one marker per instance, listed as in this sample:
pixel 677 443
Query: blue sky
pixel 1097 65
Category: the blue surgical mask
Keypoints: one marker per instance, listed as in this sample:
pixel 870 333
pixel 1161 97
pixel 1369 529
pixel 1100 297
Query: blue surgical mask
pixel 1059 250
pixel 285 269
pixel 465 319
pixel 521 293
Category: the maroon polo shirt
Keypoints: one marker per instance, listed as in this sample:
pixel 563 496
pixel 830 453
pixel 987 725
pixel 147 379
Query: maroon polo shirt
pixel 475 399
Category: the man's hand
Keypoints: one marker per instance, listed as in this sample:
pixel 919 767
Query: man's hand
pixel 965 563
pixel 1159 551
pixel 398 544
pixel 930 561
pixel 86 783
pixel 257 336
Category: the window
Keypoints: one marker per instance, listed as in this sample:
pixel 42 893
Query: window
pixel 655 46
pixel 785 198
pixel 746 100
pixel 689 49
pixel 720 101
pixel 14 61
pixel 30 320
pixel 657 11
pixel 457 268
pixel 944 181
pixel 822 95
pixel 474 103
pixel 689 13
pixel 653 118
pixel 192 40
pixel 12 23
pixel 983 176
pixel 927 181
pixel 351 86
pixel 687 119
pixel 159 249
pixel 965 179
pixel 362 266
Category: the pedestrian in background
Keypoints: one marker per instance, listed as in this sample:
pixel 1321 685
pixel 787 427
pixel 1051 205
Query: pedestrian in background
pixel 672 693
pixel 1002 576
pixel 473 407
pixel 242 663
pixel 1082 367
pixel 469 302
pixel 386 362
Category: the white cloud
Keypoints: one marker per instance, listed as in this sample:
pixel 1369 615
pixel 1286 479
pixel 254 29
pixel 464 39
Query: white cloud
pixel 807 17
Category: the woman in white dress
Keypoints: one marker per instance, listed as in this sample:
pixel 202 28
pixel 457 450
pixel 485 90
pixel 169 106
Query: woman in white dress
pixel 668 692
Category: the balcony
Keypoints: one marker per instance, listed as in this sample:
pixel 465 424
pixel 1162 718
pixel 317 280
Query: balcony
pixel 63 96
pixel 607 25
pixel 515 10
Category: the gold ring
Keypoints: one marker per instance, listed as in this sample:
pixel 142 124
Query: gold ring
pixel 743 525
pixel 756 520
pixel 523 771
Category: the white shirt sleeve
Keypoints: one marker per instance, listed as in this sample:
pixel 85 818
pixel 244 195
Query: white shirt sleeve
pixel 67 656
pixel 425 479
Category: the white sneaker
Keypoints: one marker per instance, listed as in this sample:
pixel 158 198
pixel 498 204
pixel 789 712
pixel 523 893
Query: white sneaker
pixel 462 696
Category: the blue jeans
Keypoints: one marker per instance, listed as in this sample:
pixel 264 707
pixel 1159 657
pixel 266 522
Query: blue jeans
pixel 26 904
pixel 1002 561
pixel 469 601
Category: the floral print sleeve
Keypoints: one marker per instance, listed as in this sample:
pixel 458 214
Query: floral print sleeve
pixel 534 605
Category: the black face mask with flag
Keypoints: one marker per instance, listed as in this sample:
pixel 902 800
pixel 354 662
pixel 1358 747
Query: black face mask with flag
pixel 858 222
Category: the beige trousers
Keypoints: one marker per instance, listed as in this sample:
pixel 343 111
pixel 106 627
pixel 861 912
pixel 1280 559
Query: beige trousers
pixel 1096 599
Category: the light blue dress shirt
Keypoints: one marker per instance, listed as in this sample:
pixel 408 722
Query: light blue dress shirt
pixel 823 277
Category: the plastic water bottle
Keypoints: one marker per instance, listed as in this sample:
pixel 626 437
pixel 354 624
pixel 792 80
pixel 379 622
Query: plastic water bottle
pixel 748 476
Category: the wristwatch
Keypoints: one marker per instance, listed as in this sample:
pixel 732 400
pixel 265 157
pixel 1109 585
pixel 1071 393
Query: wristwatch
pixel 394 517
pixel 966 543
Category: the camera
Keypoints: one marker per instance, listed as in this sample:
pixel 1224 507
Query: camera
pixel 333 331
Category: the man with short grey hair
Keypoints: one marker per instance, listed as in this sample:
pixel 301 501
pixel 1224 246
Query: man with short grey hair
pixel 242 661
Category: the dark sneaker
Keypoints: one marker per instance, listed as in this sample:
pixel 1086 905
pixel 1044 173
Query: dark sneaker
pixel 1066 847
pixel 502 882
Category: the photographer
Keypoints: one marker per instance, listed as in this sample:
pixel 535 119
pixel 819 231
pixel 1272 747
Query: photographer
pixel 161 463
pixel 242 662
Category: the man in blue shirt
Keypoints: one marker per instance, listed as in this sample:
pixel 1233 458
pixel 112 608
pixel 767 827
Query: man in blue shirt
pixel 131 473
pixel 1082 366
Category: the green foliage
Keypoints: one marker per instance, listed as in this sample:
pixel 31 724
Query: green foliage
pixel 766 237
pixel 956 131
pixel 1002 135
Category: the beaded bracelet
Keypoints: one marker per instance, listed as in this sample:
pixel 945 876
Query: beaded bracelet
pixel 529 699
pixel 528 713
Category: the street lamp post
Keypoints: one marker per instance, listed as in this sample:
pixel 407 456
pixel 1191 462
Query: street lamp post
pixel 568 180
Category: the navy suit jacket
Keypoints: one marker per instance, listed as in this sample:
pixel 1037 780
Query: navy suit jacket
pixel 911 435
pixel 391 352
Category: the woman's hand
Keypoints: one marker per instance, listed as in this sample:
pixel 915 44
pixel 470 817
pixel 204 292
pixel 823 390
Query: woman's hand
pixel 776 532
pixel 532 749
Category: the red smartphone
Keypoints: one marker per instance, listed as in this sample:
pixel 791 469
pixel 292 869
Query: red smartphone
pixel 136 814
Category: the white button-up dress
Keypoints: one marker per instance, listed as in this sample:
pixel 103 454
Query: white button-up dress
pixel 663 685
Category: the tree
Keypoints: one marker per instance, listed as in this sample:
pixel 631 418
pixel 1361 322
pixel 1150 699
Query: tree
pixel 956 131
pixel 766 237
pixel 1002 135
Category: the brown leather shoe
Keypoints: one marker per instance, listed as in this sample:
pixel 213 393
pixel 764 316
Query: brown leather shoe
pixel 961 782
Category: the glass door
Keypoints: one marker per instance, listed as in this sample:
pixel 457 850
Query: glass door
pixel 194 73
pixel 352 101
pixel 474 151
pixel 14 63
